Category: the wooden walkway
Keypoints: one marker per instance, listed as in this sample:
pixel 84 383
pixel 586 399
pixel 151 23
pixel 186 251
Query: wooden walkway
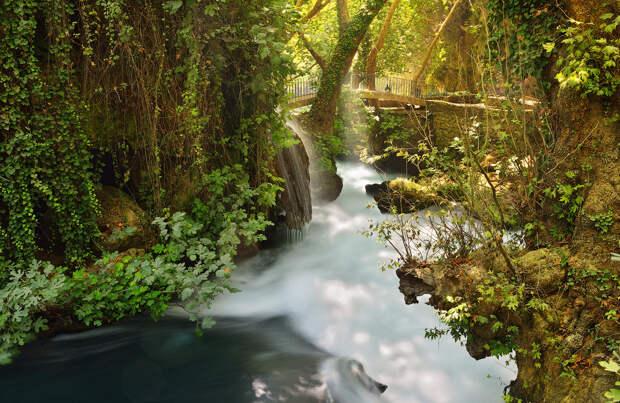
pixel 382 97
pixel 396 92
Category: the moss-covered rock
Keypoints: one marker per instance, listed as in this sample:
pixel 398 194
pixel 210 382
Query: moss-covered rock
pixel 407 195
pixel 542 269
pixel 123 224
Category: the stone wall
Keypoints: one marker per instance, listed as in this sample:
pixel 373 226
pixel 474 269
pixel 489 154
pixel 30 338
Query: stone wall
pixel 411 128
pixel 450 120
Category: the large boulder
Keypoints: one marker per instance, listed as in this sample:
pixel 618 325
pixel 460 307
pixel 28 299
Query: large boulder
pixel 407 196
pixel 123 224
pixel 542 269
pixel 326 185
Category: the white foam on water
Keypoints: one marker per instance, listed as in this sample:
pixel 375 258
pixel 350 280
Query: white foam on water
pixel 331 287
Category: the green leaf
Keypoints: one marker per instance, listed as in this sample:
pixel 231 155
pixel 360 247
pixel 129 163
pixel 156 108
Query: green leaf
pixel 549 46
pixel 207 322
pixel 186 293
pixel 173 6
pixel 610 366
pixel 613 395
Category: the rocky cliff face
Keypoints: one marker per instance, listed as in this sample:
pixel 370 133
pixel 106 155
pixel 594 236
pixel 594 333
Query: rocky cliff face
pixel 325 184
pixel 293 166
pixel 558 348
pixel 566 324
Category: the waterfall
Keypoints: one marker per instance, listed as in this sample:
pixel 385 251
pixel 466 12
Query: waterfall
pixel 293 167
pixel 325 185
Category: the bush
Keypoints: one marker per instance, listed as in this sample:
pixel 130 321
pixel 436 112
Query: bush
pixel 22 301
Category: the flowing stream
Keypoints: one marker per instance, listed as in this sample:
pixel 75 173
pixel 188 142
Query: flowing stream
pixel 308 313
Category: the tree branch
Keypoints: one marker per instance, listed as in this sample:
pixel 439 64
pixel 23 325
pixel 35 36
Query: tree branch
pixel 434 42
pixel 343 14
pixel 371 64
pixel 315 10
pixel 317 57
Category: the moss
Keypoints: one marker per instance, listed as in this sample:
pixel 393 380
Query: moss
pixel 118 213
pixel 407 185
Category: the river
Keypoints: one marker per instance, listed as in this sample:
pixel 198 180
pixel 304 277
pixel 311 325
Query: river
pixel 305 310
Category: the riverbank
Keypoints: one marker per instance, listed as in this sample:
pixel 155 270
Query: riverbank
pixel 522 243
pixel 331 300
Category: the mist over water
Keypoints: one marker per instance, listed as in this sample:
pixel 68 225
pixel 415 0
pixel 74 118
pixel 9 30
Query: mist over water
pixel 306 309
pixel 331 287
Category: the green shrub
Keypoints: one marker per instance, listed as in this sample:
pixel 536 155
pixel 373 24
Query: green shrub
pixel 603 222
pixel 22 300
pixel 590 64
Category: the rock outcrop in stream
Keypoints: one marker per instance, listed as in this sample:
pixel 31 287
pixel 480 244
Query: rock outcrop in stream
pixel 325 184
pixel 538 320
pixel 293 167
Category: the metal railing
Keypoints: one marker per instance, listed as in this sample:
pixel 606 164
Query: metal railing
pixel 400 86
pixel 304 87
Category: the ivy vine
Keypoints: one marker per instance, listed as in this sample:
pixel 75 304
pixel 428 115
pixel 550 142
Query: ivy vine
pixel 44 159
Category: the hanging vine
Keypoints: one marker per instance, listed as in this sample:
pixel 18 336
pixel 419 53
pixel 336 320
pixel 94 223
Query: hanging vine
pixel 44 159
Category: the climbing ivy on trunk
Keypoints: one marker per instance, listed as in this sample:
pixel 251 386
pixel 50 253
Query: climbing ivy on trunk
pixel 324 106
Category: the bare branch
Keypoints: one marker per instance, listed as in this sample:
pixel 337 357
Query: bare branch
pixel 317 57
pixel 315 10
pixel 434 42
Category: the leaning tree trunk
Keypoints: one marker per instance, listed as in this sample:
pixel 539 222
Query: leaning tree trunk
pixel 324 106
pixel 429 52
pixel 371 64
pixel 359 67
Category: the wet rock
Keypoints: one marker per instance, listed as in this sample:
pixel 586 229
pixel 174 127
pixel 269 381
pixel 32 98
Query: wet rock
pixel 475 348
pixel 376 188
pixel 412 287
pixel 325 185
pixel 542 269
pixel 123 224
pixel 403 195
pixel 417 196
pixel 293 166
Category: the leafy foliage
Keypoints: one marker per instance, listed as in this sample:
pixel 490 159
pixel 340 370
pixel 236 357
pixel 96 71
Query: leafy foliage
pixel 603 222
pixel 190 266
pixel 613 394
pixel 567 199
pixel 76 77
pixel 180 96
pixel 44 159
pixel 592 56
pixel 232 202
pixel 22 299
pixel 517 29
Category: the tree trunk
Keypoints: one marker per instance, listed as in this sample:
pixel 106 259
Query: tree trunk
pixel 371 64
pixel 342 8
pixel 324 106
pixel 359 68
pixel 433 43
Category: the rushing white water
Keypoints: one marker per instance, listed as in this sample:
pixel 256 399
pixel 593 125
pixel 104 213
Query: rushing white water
pixel 316 322
pixel 331 288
